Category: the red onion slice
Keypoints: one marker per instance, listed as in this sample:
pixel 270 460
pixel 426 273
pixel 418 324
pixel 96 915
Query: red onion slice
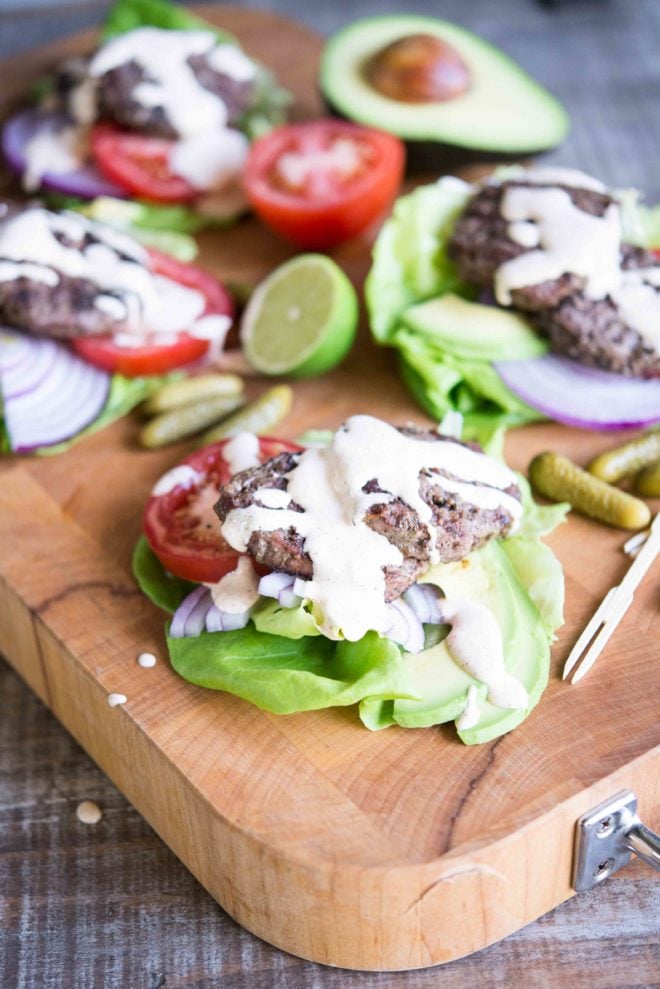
pixel 423 599
pixel 406 628
pixel 49 393
pixel 582 396
pixel 272 584
pixel 85 182
pixel 189 618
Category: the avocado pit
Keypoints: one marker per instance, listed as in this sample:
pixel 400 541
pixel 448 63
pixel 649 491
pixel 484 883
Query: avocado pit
pixel 418 68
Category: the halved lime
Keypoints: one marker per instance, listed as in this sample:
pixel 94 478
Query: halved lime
pixel 302 319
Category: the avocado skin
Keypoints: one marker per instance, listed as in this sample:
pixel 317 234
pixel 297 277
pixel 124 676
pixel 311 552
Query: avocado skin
pixel 438 157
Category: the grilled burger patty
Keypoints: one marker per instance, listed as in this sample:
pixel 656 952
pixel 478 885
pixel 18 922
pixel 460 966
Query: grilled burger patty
pixel 480 244
pixel 63 311
pixel 116 102
pixel 462 527
pixel 590 331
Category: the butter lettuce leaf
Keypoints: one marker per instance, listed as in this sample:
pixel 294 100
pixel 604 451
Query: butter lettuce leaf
pixel 279 662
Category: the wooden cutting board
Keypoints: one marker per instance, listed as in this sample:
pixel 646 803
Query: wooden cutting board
pixel 394 850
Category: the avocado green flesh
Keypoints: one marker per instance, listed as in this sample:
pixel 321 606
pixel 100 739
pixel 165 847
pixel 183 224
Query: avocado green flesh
pixel 504 110
pixel 442 684
pixel 469 329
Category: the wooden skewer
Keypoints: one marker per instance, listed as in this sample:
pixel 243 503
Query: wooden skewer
pixel 612 609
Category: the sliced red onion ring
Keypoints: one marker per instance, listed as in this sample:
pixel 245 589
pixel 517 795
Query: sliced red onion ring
pixel 231 622
pixel 85 182
pixel 274 583
pixel 214 619
pixel 225 621
pixel 288 598
pixel 49 393
pixel 423 599
pixel 189 618
pixel 406 628
pixel 582 396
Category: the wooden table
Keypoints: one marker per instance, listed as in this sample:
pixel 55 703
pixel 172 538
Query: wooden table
pixel 108 905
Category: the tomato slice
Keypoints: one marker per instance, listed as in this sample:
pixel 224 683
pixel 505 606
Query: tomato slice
pixel 181 526
pixel 153 357
pixel 323 182
pixel 140 164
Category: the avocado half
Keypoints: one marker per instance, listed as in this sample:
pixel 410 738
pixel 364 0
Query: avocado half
pixel 503 112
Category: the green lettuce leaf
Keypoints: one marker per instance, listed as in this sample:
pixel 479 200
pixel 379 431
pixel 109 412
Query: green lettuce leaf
pixel 290 675
pixel 161 587
pixel 127 15
pixel 279 662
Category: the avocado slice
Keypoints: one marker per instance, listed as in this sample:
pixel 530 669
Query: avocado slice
pixel 501 110
pixel 490 578
pixel 472 330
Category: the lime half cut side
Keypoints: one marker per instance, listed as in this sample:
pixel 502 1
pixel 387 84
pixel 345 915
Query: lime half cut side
pixel 302 319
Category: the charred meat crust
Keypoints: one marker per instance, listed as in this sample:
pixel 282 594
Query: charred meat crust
pixel 480 244
pixel 116 101
pixel 590 331
pixel 463 527
pixel 63 311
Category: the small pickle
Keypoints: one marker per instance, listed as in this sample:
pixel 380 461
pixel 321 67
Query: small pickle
pixel 630 458
pixel 647 481
pixel 186 420
pixel 257 417
pixel 190 390
pixel 559 479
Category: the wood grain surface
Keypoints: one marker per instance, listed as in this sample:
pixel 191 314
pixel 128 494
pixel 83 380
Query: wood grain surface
pixel 110 907
pixel 433 849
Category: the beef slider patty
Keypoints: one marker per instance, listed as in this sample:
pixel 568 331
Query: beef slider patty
pixel 592 331
pixel 463 527
pixel 116 101
pixel 480 244
pixel 65 310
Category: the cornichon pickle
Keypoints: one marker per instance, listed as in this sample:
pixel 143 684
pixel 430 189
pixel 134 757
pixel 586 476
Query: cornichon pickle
pixel 186 420
pixel 178 393
pixel 647 481
pixel 630 458
pixel 257 417
pixel 558 479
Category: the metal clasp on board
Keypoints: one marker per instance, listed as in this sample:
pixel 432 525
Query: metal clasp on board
pixel 606 838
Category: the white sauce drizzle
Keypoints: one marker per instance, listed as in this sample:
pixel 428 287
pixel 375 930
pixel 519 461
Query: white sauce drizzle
pixel 348 585
pixel 475 644
pixel 469 716
pixel 115 263
pixel 237 591
pixel 569 240
pixel 114 700
pixel 170 83
pixel 210 160
pixel 563 238
pixel 241 452
pixel 57 150
pixel 182 476
pixel 88 812
pixel 146 660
